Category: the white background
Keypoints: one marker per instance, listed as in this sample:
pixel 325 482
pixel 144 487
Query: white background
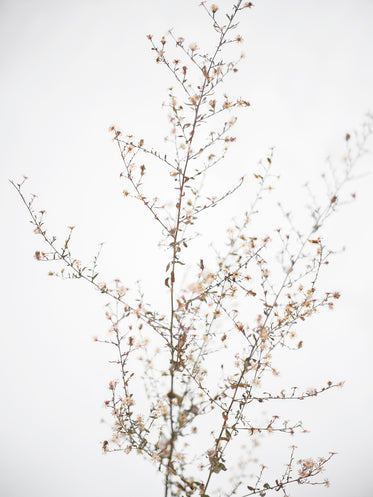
pixel 71 69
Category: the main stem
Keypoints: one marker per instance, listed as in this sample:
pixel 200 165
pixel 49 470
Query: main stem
pixel 172 294
pixel 173 433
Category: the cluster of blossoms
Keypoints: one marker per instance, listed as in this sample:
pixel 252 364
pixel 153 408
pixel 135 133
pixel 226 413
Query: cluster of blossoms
pixel 206 358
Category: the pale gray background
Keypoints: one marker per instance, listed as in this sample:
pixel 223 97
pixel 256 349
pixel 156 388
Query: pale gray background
pixel 69 70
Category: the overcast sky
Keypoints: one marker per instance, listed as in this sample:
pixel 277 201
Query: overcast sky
pixel 71 69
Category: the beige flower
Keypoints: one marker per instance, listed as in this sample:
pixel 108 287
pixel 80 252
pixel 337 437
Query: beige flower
pixel 196 287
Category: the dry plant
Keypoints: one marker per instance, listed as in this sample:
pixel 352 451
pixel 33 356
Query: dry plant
pixel 206 357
